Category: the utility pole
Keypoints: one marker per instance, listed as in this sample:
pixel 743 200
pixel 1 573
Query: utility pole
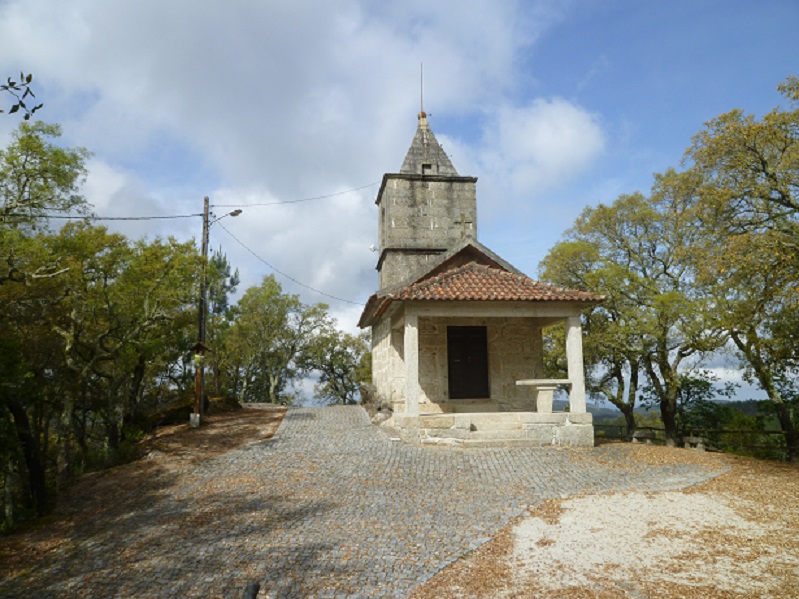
pixel 200 348
pixel 204 281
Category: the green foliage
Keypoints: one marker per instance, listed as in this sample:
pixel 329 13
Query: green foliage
pixel 35 177
pixel 268 340
pixel 343 362
pixel 222 282
pixel 96 331
pixel 126 305
pixel 654 317
pixel 709 259
pixel 697 405
pixel 38 177
pixel 749 258
pixel 92 321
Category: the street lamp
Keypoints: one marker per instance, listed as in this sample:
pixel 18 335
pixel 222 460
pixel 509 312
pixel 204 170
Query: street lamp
pixel 200 348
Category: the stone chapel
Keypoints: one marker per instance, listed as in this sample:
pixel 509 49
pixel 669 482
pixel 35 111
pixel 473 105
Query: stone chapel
pixel 457 344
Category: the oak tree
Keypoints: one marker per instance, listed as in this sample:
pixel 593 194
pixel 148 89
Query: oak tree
pixel 748 257
pixel 655 319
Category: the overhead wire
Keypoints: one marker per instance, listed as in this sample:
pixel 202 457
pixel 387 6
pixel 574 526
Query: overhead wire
pixel 241 243
pixel 287 276
pixel 93 217
pixel 172 216
pixel 324 197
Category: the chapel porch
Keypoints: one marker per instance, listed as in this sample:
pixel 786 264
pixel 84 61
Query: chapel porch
pixel 428 348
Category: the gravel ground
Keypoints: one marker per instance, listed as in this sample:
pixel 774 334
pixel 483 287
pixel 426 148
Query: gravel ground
pixel 736 535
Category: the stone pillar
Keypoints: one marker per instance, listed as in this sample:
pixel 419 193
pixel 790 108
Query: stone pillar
pixel 574 358
pixel 538 353
pixel 541 400
pixel 411 351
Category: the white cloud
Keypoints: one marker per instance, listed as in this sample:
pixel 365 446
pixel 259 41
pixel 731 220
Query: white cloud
pixel 528 151
pixel 251 102
pixel 322 244
pixel 546 142
pixel 111 190
pixel 533 148
pixel 115 192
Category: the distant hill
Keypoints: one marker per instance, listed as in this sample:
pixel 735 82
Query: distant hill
pixel 608 411
pixel 600 412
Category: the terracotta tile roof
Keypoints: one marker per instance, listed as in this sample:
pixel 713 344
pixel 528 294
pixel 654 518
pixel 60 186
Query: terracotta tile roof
pixel 473 282
pixel 481 282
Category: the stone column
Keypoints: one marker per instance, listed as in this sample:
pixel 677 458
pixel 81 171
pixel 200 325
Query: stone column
pixel 538 372
pixel 538 352
pixel 411 351
pixel 574 358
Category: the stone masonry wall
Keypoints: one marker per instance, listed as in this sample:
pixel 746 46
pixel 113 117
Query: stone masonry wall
pixel 422 213
pixel 388 371
pixel 380 352
pixel 512 355
pixel 398 266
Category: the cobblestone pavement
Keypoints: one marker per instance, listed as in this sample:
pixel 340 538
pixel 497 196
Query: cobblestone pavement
pixel 330 507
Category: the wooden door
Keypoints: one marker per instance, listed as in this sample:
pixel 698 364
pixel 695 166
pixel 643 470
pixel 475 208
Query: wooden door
pixel 467 359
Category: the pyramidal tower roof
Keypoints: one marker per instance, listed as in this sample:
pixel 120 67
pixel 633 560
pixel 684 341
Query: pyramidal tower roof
pixel 425 156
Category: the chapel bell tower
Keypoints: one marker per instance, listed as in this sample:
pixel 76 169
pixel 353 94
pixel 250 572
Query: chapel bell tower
pixel 425 209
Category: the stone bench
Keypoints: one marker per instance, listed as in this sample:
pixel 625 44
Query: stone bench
pixel 545 392
pixel 694 443
pixel 645 436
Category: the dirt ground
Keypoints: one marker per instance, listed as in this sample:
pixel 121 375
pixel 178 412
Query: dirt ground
pixel 168 448
pixel 733 536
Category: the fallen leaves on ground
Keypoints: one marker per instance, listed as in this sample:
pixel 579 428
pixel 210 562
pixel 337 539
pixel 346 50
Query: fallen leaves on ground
pixel 762 496
pixel 168 448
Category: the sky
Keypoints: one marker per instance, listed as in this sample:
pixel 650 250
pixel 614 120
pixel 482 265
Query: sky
pixel 553 105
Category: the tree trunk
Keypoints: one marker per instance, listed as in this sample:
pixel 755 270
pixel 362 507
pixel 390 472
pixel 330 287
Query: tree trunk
pixel 629 419
pixel 764 376
pixel 133 416
pixel 244 391
pixel 666 391
pixel 64 460
pixel 8 493
pixel 81 432
pixel 112 435
pixel 37 486
pixel 668 413
pixel 632 392
pixel 791 436
pixel 273 383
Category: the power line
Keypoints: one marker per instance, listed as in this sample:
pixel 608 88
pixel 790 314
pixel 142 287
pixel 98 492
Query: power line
pixel 324 197
pixel 241 243
pixel 289 277
pixel 198 215
pixel 90 217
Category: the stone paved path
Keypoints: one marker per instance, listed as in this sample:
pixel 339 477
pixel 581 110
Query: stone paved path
pixel 330 507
